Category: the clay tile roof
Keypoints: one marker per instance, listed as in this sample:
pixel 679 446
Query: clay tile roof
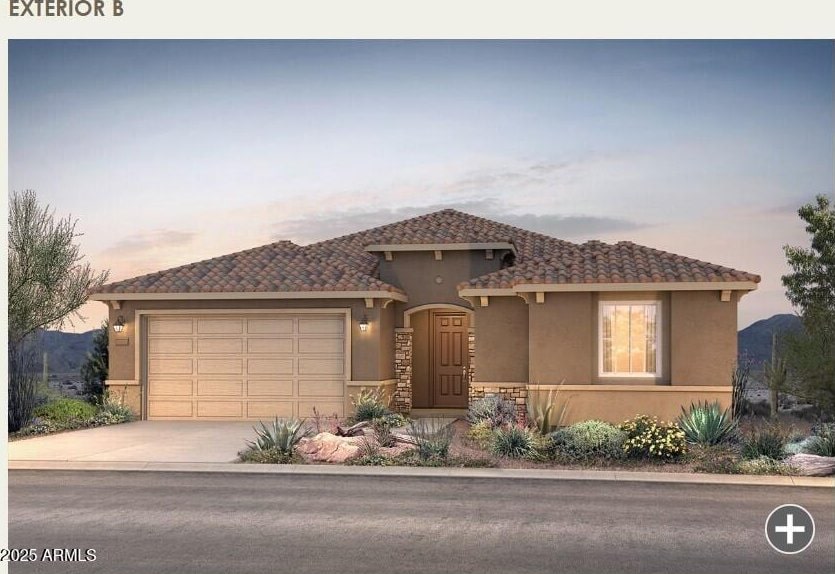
pixel 277 267
pixel 598 262
pixel 343 264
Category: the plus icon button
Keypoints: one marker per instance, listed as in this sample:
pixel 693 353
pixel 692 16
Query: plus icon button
pixel 789 529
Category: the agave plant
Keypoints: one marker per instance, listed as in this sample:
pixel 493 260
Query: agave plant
pixel 541 413
pixel 706 423
pixel 282 435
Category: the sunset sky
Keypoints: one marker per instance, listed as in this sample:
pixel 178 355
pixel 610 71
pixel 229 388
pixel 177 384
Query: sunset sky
pixel 170 152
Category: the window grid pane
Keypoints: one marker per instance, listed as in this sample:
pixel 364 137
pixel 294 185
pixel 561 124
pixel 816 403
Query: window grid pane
pixel 628 339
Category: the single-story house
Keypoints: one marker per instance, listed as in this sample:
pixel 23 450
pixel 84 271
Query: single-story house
pixel 438 309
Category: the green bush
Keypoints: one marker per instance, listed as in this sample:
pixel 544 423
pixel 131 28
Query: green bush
pixel 822 442
pixel 282 435
pixel 432 440
pixel 382 430
pixel 589 439
pixel 765 465
pixel 370 404
pixel 514 442
pixel 766 441
pixel 706 423
pixel 493 409
pixel 393 420
pixel 66 410
pixel 648 437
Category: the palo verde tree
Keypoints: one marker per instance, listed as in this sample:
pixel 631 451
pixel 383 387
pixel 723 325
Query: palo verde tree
pixel 48 283
pixel 810 355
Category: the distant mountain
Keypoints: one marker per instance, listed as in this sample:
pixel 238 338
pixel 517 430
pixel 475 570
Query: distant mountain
pixel 66 352
pixel 754 341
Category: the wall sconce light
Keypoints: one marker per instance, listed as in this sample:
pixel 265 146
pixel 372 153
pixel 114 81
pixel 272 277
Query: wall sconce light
pixel 119 325
pixel 364 324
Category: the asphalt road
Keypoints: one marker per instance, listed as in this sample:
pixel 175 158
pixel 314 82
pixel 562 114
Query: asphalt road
pixel 181 522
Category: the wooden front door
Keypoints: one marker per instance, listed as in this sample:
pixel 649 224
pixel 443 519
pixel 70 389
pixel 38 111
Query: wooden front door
pixel 450 360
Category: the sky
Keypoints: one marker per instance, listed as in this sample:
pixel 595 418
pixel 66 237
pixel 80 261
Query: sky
pixel 169 152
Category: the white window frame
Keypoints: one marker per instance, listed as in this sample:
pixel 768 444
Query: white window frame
pixel 659 365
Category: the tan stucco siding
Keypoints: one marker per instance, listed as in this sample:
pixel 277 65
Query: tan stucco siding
pixel 561 339
pixel 703 337
pixel 385 335
pixel 501 340
pixel 616 403
pixel 416 273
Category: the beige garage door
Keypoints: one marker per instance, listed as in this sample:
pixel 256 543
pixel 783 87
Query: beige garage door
pixel 245 366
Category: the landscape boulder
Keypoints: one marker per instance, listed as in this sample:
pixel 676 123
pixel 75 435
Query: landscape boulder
pixel 327 447
pixel 812 465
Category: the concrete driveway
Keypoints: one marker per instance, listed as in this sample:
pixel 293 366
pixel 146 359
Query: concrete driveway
pixel 141 441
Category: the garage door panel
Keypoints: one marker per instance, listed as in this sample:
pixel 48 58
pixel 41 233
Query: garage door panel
pixel 320 366
pixel 269 409
pixel 173 388
pixel 270 388
pixel 171 346
pixel 320 345
pixel 270 345
pixel 220 409
pixel 321 326
pixel 217 346
pixel 170 326
pixel 277 326
pixel 220 326
pixel 241 366
pixel 324 407
pixel 222 387
pixel 270 366
pixel 170 367
pixel 220 366
pixel 321 388
pixel 182 409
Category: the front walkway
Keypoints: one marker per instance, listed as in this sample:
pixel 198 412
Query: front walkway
pixel 141 441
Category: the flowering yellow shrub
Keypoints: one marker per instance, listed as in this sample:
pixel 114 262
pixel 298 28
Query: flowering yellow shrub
pixel 649 437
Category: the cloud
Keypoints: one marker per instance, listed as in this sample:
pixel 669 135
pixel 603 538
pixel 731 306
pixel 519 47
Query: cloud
pixel 140 243
pixel 325 225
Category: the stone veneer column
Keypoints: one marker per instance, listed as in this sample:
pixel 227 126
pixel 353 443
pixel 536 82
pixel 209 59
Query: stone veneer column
pixel 515 392
pixel 403 370
pixel 471 351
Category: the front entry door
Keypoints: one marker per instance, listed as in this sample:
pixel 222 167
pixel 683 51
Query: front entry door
pixel 450 360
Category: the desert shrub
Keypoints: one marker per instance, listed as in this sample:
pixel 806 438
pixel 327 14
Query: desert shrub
pixel 494 409
pixel 432 440
pixel 66 410
pixel 393 420
pixel 514 442
pixel 22 388
pixel 382 430
pixel 544 411
pixel 765 441
pixel 370 404
pixel 648 437
pixel 38 426
pixel 268 456
pixel 822 442
pixel 714 459
pixel 765 465
pixel 706 423
pixel 282 435
pixel 589 439
pixel 480 433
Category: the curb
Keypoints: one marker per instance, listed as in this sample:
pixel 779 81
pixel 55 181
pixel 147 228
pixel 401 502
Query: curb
pixel 405 471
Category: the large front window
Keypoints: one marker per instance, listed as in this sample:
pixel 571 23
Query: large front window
pixel 629 344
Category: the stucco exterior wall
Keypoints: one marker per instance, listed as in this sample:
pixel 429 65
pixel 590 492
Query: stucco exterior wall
pixel 416 273
pixel 616 403
pixel 501 340
pixel 703 337
pixel 561 338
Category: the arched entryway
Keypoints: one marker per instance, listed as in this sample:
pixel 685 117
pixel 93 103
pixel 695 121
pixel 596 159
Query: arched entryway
pixel 435 351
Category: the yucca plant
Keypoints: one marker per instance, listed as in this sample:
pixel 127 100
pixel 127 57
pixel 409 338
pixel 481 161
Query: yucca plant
pixel 544 414
pixel 281 435
pixel 706 423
